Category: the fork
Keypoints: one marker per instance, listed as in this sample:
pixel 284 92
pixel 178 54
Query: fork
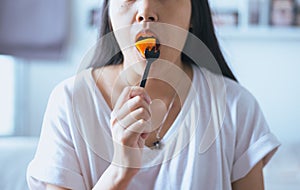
pixel 151 56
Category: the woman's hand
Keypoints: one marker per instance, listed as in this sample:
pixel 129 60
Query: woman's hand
pixel 130 124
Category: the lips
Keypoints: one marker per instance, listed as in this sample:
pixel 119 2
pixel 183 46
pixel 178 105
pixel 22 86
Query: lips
pixel 146 34
pixel 146 40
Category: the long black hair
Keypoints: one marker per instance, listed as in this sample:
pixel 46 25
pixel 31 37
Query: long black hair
pixel 202 28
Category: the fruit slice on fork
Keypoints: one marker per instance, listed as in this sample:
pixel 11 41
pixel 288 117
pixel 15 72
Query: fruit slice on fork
pixel 149 49
pixel 147 43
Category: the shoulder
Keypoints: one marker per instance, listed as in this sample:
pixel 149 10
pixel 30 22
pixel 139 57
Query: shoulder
pixel 241 108
pixel 69 84
pixel 236 96
pixel 64 91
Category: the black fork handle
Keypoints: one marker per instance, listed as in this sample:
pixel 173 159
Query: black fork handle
pixel 146 72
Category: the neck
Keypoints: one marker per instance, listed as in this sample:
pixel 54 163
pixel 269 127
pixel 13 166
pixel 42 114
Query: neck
pixel 162 75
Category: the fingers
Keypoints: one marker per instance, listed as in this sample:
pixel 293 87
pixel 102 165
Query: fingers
pixel 133 101
pixel 130 92
pixel 136 115
pixel 124 96
pixel 139 91
pixel 136 107
pixel 132 134
pixel 131 117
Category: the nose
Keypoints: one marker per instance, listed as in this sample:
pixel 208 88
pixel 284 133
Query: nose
pixel 147 12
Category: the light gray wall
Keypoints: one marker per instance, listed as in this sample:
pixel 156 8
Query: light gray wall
pixel 269 67
pixel 37 78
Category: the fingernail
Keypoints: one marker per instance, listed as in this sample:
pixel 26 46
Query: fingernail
pixel 149 99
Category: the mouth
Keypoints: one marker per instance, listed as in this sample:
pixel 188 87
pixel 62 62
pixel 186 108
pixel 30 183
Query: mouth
pixel 147 42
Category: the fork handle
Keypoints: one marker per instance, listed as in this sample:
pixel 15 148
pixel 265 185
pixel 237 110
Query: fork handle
pixel 146 72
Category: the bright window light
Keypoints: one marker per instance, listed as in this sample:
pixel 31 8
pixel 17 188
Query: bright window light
pixel 7 95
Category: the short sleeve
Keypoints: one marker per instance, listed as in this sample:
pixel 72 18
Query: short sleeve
pixel 254 140
pixel 55 161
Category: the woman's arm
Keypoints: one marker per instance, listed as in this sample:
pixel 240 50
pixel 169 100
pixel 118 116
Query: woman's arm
pixel 253 180
pixel 115 178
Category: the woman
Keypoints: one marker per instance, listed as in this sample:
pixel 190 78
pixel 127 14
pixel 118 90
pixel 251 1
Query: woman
pixel 189 128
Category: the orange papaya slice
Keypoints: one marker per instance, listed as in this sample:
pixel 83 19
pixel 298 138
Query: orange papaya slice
pixel 142 45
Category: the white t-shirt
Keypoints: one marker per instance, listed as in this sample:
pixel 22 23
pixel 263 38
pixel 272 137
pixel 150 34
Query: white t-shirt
pixel 217 138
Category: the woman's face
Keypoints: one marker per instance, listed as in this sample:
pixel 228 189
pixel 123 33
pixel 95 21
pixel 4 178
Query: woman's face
pixel 167 20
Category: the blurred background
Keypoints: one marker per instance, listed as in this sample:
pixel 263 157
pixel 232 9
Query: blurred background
pixel 43 43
